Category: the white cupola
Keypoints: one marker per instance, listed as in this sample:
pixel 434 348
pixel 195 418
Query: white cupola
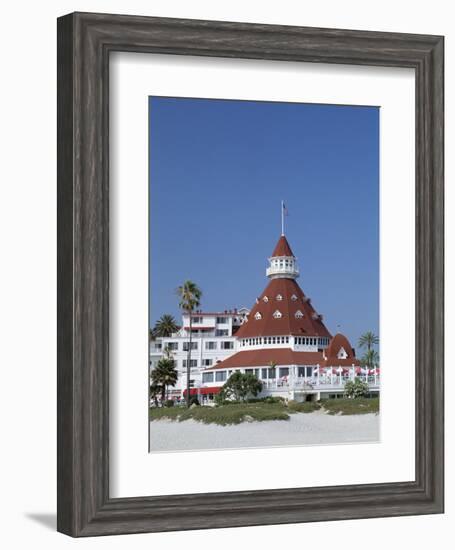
pixel 282 263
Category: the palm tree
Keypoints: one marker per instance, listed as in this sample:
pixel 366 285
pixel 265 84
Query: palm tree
pixel 190 298
pixel 164 375
pixel 370 359
pixel 155 390
pixel 368 340
pixel 164 327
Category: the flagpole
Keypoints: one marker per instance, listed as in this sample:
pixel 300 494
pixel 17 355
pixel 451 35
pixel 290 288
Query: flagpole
pixel 282 217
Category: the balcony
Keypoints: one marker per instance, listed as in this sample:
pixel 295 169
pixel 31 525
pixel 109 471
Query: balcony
pixel 316 384
pixel 282 271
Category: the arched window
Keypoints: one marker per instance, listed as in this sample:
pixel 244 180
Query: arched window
pixel 279 297
pixel 298 314
pixel 258 316
pixel 265 299
pixel 277 314
pixel 293 297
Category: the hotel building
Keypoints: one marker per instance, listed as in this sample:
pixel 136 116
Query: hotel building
pixel 282 340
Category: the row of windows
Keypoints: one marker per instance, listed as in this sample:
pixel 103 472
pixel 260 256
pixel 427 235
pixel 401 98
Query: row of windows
pixel 219 320
pixel 222 320
pixel 270 340
pixel 186 346
pixel 279 297
pixel 208 377
pixel 194 363
pixel 263 374
pixel 305 341
pixel 277 315
pixel 264 341
pixel 223 345
pixel 210 345
pixel 305 371
pixel 282 263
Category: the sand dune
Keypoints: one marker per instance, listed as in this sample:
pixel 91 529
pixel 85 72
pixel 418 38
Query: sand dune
pixel 315 428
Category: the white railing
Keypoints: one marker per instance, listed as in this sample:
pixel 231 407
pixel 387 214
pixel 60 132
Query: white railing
pixel 323 382
pixel 282 270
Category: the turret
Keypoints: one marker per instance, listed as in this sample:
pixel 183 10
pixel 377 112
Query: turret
pixel 282 263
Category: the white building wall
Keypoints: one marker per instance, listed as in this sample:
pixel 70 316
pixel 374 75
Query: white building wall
pixel 225 345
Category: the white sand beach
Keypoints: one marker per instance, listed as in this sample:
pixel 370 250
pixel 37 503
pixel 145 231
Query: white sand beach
pixel 315 428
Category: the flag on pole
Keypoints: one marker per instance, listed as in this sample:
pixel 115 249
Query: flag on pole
pixel 284 212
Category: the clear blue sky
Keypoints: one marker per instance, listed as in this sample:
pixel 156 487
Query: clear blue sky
pixel 218 172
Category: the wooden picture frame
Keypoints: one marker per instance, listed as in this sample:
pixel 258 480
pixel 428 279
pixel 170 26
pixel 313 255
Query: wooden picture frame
pixel 84 43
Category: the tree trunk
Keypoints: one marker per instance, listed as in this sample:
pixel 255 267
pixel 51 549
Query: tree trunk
pixel 163 393
pixel 188 364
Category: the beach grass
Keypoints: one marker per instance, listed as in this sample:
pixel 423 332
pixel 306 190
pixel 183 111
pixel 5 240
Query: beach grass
pixel 224 415
pixel 351 406
pixel 305 407
pixel 260 411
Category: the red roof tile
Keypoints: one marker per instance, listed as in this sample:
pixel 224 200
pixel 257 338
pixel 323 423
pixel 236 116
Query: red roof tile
pixel 281 357
pixel 262 357
pixel 282 248
pixel 288 324
pixel 335 362
pixel 336 343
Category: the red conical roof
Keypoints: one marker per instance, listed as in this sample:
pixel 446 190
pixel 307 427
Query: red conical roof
pixel 282 248
pixel 339 341
pixel 296 316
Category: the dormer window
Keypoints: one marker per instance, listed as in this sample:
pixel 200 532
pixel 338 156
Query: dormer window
pixel 294 298
pixel 306 299
pixel 298 314
pixel 315 316
pixel 279 297
pixel 265 299
pixel 258 316
pixel 277 314
pixel 342 354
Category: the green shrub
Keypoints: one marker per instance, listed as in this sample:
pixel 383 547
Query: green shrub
pixel 269 399
pixel 157 413
pixel 223 415
pixel 169 403
pixel 240 386
pixel 305 407
pixel 352 406
pixel 355 389
pixel 227 402
pixel 235 414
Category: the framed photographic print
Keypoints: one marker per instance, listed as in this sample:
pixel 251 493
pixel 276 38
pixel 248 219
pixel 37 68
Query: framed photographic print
pixel 250 255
